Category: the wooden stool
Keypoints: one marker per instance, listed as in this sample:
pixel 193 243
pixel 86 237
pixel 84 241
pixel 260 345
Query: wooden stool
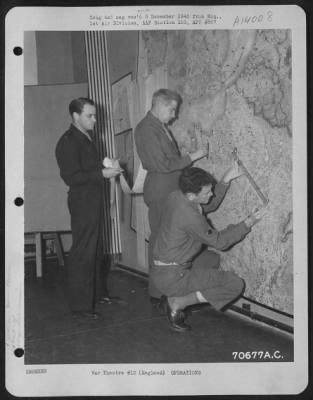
pixel 39 237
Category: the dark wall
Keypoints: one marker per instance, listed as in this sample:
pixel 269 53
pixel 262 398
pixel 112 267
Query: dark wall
pixel 61 57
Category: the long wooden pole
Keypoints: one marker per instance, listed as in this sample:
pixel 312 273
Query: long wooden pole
pixel 250 179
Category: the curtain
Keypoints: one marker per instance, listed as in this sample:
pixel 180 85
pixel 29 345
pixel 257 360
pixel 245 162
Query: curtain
pixel 100 93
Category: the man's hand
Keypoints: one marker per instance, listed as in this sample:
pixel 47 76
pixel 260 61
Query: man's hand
pixel 233 173
pixel 200 153
pixel 111 172
pixel 255 217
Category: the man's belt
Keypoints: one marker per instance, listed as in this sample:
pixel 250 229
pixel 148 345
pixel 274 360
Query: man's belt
pixel 161 263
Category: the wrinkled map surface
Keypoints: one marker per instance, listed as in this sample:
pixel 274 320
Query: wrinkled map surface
pixel 236 85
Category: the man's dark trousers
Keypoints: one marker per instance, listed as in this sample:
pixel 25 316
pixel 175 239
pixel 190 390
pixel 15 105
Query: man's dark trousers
pixel 85 261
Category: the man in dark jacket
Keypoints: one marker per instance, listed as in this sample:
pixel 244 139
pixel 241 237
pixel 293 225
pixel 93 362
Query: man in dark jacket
pixel 160 156
pixel 82 170
pixel 179 272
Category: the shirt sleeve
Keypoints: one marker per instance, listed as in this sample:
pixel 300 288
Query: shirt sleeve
pixel 220 191
pixel 71 172
pixel 157 155
pixel 220 240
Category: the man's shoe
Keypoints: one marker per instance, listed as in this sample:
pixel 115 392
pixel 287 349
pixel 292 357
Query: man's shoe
pixel 175 318
pixel 162 306
pixel 86 315
pixel 110 300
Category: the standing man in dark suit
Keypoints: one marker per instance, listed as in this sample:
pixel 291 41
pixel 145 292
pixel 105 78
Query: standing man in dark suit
pixel 82 170
pixel 160 156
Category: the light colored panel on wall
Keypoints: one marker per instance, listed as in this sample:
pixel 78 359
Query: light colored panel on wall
pixel 46 205
pixel 46 118
pixel 30 59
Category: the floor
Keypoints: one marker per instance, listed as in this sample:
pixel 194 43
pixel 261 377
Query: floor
pixel 133 332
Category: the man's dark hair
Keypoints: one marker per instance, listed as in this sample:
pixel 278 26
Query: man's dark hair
pixel 166 96
pixel 77 105
pixel 193 179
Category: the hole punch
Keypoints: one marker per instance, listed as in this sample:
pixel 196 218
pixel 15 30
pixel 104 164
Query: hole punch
pixel 19 353
pixel 18 50
pixel 19 201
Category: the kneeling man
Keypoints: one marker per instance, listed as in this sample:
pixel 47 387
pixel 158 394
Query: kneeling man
pixel 179 272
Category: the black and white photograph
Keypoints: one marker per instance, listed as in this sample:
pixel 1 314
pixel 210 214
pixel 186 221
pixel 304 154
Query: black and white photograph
pixel 156 236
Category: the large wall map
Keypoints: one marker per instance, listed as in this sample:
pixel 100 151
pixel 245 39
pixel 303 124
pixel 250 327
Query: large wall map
pixel 237 86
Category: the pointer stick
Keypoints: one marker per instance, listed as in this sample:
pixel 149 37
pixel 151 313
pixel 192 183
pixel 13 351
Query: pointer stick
pixel 250 179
